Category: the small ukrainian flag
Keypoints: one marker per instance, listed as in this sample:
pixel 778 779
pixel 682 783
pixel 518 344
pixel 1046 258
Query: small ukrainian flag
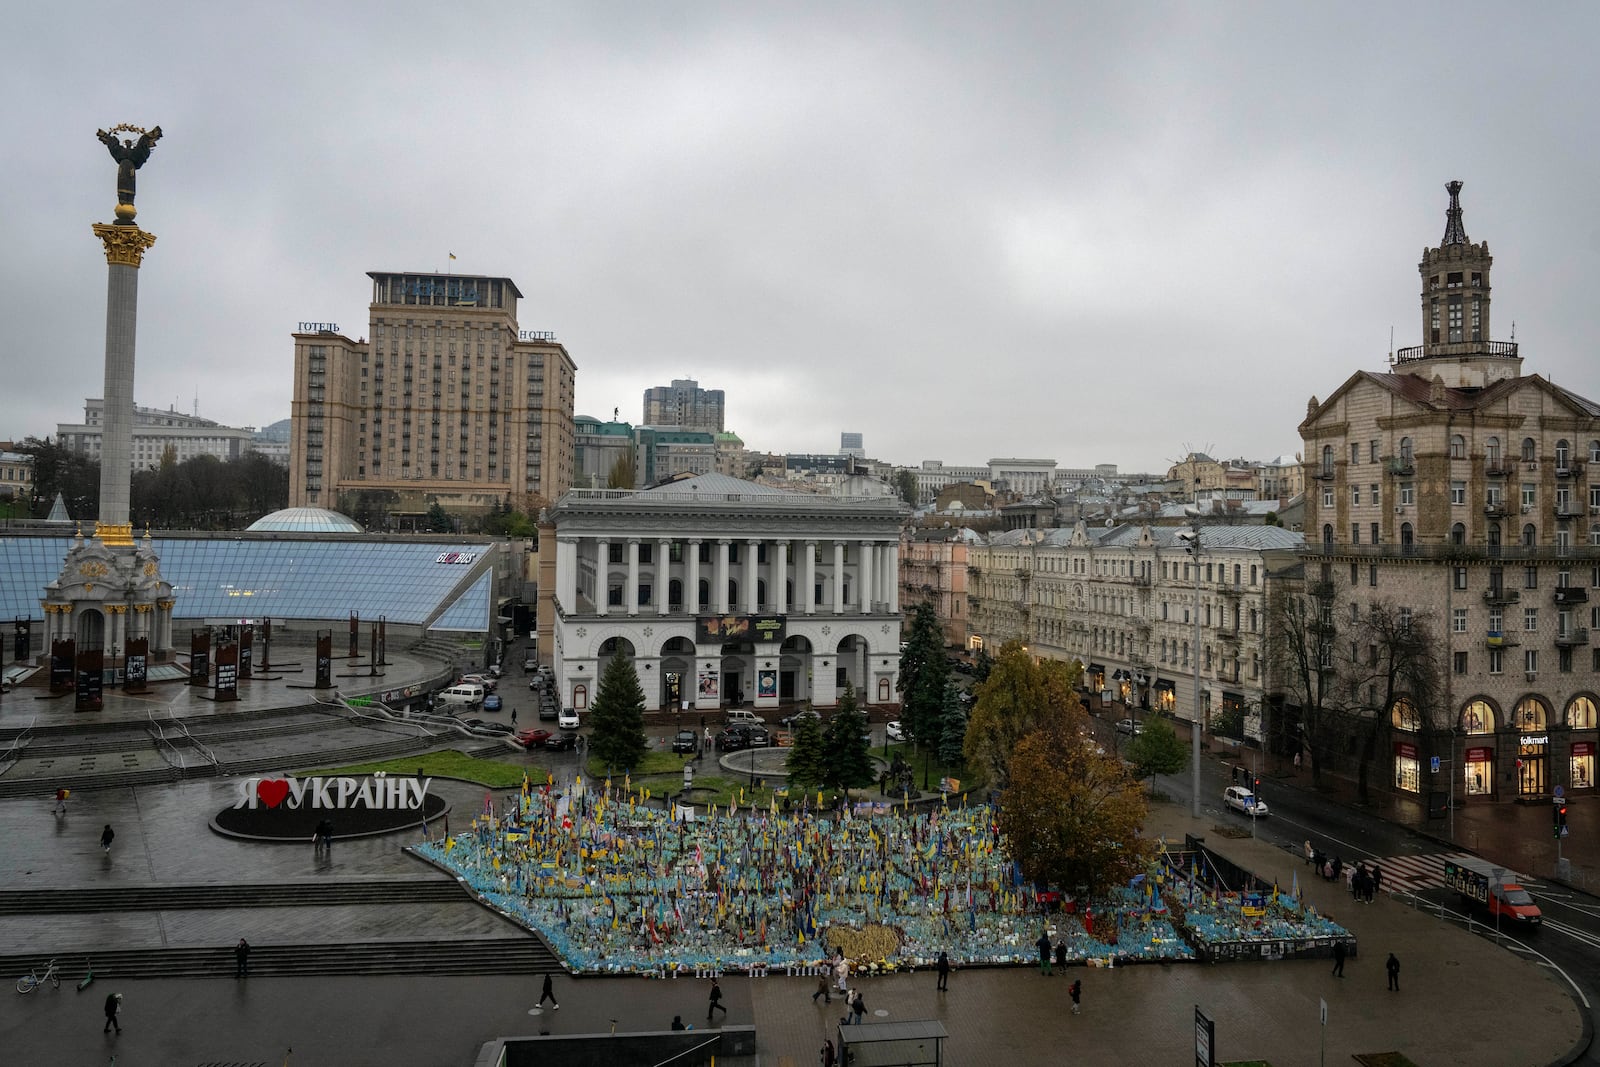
pixel 452 255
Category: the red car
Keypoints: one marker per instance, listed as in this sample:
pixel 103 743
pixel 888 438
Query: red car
pixel 532 738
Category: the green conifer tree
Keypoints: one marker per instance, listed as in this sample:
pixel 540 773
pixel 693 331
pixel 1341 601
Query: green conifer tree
pixel 807 762
pixel 849 762
pixel 616 717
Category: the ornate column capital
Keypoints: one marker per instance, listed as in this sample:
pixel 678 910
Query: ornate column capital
pixel 125 245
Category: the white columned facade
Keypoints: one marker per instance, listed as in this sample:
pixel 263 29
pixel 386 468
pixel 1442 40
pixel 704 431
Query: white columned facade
pixel 632 597
pixel 838 578
pixel 865 577
pixel 808 595
pixel 780 595
pixel 567 574
pixel 691 594
pixel 892 578
pixel 663 579
pixel 602 577
pixel 752 583
pixel 719 594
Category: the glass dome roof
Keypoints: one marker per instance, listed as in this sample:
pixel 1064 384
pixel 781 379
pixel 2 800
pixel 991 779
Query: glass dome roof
pixel 306 520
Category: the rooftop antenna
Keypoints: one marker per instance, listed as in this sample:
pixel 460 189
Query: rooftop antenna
pixel 1391 345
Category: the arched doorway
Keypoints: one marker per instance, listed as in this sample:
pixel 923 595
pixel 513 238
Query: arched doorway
pixel 91 630
pixel 1531 720
pixel 794 670
pixel 1478 723
pixel 677 674
pixel 851 666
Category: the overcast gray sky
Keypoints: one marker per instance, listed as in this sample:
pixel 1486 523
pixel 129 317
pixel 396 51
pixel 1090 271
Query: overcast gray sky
pixel 1088 232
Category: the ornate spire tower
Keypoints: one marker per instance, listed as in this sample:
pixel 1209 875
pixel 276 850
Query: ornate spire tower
pixel 1455 312
pixel 110 596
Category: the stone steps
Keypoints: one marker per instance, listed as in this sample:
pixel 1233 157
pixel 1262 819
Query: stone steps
pixel 197 896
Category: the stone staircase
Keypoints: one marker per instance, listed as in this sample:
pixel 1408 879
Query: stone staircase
pixel 166 896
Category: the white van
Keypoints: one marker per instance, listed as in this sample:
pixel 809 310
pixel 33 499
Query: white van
pixel 740 717
pixel 467 695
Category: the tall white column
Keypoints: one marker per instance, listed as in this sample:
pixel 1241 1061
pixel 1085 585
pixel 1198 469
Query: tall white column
pixel 567 574
pixel 663 575
pixel 719 594
pixel 838 578
pixel 892 579
pixel 691 591
pixel 752 582
pixel 808 595
pixel 631 598
pixel 864 577
pixel 780 575
pixel 602 577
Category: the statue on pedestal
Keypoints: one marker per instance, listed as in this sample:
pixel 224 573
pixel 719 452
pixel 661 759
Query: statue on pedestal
pixel 130 156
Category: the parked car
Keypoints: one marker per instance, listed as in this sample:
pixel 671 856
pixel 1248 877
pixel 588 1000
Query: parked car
pixel 549 711
pixel 491 702
pixel 562 741
pixel 494 670
pixel 488 681
pixel 502 728
pixel 568 719
pixel 530 662
pixel 686 741
pixel 1129 727
pixel 536 682
pixel 531 738
pixel 896 731
pixel 792 721
pixel 734 738
pixel 1243 800
pixel 759 737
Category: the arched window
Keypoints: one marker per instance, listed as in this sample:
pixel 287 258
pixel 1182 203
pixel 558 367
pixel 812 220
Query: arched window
pixel 1458 446
pixel 1327 535
pixel 1407 535
pixel 1529 715
pixel 761 594
pixel 1594 533
pixel 1477 718
pixel 1580 713
pixel 705 593
pixel 1406 455
pixel 1529 535
pixel 1563 454
pixel 1404 716
pixel 675 595
pixel 1530 451
pixel 1494 535
pixel 1458 534
pixel 1491 453
pixel 1327 461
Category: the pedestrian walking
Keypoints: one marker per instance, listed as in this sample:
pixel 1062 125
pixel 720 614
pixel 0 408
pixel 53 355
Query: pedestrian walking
pixel 1338 959
pixel 841 972
pixel 1044 952
pixel 107 836
pixel 61 801
pixel 858 1007
pixel 113 1010
pixel 1075 991
pixel 1377 878
pixel 513 716
pixel 1393 967
pixel 944 971
pixel 826 1056
pixel 1311 853
pixel 716 1000
pixel 1061 954
pixel 548 992
pixel 241 959
pixel 1297 763
pixel 822 990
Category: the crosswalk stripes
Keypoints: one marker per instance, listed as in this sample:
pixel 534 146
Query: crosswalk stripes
pixel 1415 873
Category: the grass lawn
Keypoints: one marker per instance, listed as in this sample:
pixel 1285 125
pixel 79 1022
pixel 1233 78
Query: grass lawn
pixel 1384 1059
pixel 451 764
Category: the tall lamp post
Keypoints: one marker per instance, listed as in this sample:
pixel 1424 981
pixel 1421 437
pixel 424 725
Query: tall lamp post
pixel 1191 544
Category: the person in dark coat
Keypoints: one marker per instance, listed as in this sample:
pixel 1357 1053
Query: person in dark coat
pixel 107 836
pixel 944 971
pixel 549 991
pixel 241 959
pixel 1061 953
pixel 1338 959
pixel 822 989
pixel 677 1023
pixel 1044 953
pixel 858 1007
pixel 1393 967
pixel 1377 878
pixel 113 1009
pixel 716 1000
pixel 1075 991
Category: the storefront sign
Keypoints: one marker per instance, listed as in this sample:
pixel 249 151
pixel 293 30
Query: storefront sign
pixel 1583 748
pixel 1405 750
pixel 1534 739
pixel 333 794
pixel 1480 755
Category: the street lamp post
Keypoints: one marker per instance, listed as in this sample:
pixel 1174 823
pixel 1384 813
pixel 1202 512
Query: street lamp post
pixel 1191 539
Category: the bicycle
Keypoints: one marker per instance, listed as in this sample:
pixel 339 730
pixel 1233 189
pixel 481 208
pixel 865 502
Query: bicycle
pixel 33 980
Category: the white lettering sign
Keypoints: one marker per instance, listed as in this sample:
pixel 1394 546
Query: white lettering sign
pixel 455 557
pixel 1535 739
pixel 333 794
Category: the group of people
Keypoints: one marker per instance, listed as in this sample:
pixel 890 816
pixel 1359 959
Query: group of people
pixel 1364 881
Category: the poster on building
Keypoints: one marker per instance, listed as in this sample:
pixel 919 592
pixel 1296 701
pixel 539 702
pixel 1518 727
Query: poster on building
pixel 767 627
pixel 228 671
pixel 383 641
pixel 62 654
pixel 136 664
pixel 721 629
pixel 324 659
pixel 767 684
pixel 708 683
pixel 200 657
pixel 355 635
pixel 91 676
pixel 247 640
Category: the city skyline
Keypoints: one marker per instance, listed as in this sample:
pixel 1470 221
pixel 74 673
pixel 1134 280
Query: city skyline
pixel 1058 232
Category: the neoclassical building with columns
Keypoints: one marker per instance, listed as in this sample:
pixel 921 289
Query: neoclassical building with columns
pixel 718 589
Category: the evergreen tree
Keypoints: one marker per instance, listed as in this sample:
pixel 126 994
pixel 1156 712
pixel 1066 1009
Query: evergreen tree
pixel 924 675
pixel 1156 750
pixel 807 762
pixel 849 762
pixel 439 519
pixel 982 664
pixel 616 717
pixel 952 727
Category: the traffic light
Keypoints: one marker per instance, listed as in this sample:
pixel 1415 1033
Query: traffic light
pixel 1560 818
pixel 1256 785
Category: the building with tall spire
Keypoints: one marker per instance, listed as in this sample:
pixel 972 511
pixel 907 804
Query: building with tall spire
pixel 1466 496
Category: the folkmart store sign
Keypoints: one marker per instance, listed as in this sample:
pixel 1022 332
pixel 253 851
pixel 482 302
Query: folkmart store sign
pixel 378 793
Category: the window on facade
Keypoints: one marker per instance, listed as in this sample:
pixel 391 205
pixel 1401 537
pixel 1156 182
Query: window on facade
pixel 1355 496
pixel 1327 536
pixel 1327 496
pixel 1530 660
pixel 1373 495
pixel 1407 457
pixel 1530 619
pixel 1327 461
pixel 1563 454
pixel 1458 493
pixel 1355 452
pixel 1458 620
pixel 1460 577
pixel 1408 494
pixel 1407 534
pixel 1458 534
pixel 1530 577
pixel 1372 574
pixel 1496 661
pixel 1530 450
pixel 1458 447
pixel 1355 533
pixel 1461 662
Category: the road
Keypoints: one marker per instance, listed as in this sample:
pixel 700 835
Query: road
pixel 1569 940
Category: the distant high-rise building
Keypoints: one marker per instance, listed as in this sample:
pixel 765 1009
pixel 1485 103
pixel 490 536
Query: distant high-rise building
pixel 154 432
pixel 450 401
pixel 850 444
pixel 685 406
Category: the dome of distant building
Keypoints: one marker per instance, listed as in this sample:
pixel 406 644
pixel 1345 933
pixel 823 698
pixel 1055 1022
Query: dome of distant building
pixel 306 520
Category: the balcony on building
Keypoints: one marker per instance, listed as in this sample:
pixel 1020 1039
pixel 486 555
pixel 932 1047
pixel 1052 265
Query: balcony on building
pixel 1571 594
pixel 1573 636
pixel 1573 469
pixel 1501 595
pixel 1459 349
pixel 1499 639
pixel 1499 510
pixel 1399 465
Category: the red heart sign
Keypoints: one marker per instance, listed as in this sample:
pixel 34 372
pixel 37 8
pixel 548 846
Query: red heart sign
pixel 272 791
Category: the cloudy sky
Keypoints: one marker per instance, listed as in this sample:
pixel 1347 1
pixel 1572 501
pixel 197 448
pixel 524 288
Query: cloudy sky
pixel 1099 233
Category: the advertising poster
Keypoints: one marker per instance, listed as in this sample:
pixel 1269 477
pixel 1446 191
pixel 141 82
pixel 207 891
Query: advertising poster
pixel 21 639
pixel 767 684
pixel 355 635
pixel 721 629
pixel 324 659
pixel 91 666
pixel 708 683
pixel 136 664
pixel 62 654
pixel 199 657
pixel 228 671
pixel 768 627
pixel 247 641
